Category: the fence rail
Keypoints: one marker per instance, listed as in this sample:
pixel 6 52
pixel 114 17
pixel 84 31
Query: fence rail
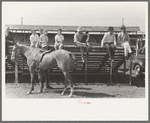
pixel 97 63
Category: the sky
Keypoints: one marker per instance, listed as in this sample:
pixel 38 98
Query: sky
pixel 76 13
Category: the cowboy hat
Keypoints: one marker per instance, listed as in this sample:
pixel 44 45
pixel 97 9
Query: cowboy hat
pixel 123 27
pixel 110 28
pixel 79 29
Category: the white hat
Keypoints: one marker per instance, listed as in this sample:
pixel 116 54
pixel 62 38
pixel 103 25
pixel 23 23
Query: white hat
pixel 80 29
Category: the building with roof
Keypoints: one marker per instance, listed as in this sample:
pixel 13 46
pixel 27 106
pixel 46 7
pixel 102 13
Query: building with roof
pixel 22 33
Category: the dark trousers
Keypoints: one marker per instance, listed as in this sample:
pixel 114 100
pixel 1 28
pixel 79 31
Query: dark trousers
pixel 7 44
pixel 110 48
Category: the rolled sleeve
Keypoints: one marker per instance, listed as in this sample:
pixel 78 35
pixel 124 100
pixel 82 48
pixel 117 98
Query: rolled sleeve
pixel 114 40
pixel 75 38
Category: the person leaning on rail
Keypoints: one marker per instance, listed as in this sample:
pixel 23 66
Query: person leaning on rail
pixel 34 38
pixel 59 38
pixel 9 40
pixel 81 39
pixel 109 42
pixel 124 41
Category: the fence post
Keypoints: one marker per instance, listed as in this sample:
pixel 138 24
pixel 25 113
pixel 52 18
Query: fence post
pixel 130 77
pixel 111 72
pixel 124 69
pixel 16 72
pixel 86 67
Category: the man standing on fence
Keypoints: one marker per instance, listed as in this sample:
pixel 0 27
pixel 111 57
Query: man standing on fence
pixel 123 40
pixel 80 40
pixel 109 42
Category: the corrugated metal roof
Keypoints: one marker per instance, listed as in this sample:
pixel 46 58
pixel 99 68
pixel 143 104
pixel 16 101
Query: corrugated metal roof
pixel 71 28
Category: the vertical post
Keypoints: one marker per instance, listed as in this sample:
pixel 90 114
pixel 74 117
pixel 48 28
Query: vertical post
pixel 137 47
pixel 21 20
pixel 24 36
pixel 124 69
pixel 86 67
pixel 16 72
pixel 130 77
pixel 111 72
pixel 122 21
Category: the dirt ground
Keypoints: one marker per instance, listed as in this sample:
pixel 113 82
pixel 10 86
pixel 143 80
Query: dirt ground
pixel 92 90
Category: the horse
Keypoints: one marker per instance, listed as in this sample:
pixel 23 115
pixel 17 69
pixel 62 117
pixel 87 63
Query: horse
pixel 48 61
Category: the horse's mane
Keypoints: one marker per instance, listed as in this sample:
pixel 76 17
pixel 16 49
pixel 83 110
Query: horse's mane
pixel 24 48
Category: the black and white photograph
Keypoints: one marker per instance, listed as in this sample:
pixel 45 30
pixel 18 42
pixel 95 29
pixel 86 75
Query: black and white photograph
pixel 74 61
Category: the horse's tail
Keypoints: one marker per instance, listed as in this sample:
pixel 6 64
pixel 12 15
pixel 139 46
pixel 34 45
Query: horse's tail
pixel 73 59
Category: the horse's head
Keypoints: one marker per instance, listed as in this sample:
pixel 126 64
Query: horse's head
pixel 15 52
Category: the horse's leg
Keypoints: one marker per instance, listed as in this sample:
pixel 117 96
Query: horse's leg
pixel 47 80
pixel 69 78
pixel 65 88
pixel 41 79
pixel 32 81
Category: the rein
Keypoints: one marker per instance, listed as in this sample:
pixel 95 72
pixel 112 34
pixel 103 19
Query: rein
pixel 24 54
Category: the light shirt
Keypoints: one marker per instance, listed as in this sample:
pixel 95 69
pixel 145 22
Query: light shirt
pixel 59 38
pixel 78 37
pixel 123 37
pixel 44 40
pixel 34 39
pixel 108 38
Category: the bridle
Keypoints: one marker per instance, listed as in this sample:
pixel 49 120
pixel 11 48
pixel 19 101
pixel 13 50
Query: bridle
pixel 15 56
pixel 14 50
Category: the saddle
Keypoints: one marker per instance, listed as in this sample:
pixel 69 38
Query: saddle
pixel 38 55
pixel 42 53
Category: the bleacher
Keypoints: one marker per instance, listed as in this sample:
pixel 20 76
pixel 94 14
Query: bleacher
pixel 96 64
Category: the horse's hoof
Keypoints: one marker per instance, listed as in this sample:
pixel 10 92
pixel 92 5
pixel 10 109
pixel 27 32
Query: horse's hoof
pixel 48 87
pixel 112 84
pixel 62 93
pixel 29 92
pixel 70 96
pixel 40 91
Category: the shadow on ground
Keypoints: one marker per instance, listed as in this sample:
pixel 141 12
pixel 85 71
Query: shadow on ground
pixel 81 93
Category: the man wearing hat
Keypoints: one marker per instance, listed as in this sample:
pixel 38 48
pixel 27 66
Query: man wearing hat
pixel 123 40
pixel 109 42
pixel 80 39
